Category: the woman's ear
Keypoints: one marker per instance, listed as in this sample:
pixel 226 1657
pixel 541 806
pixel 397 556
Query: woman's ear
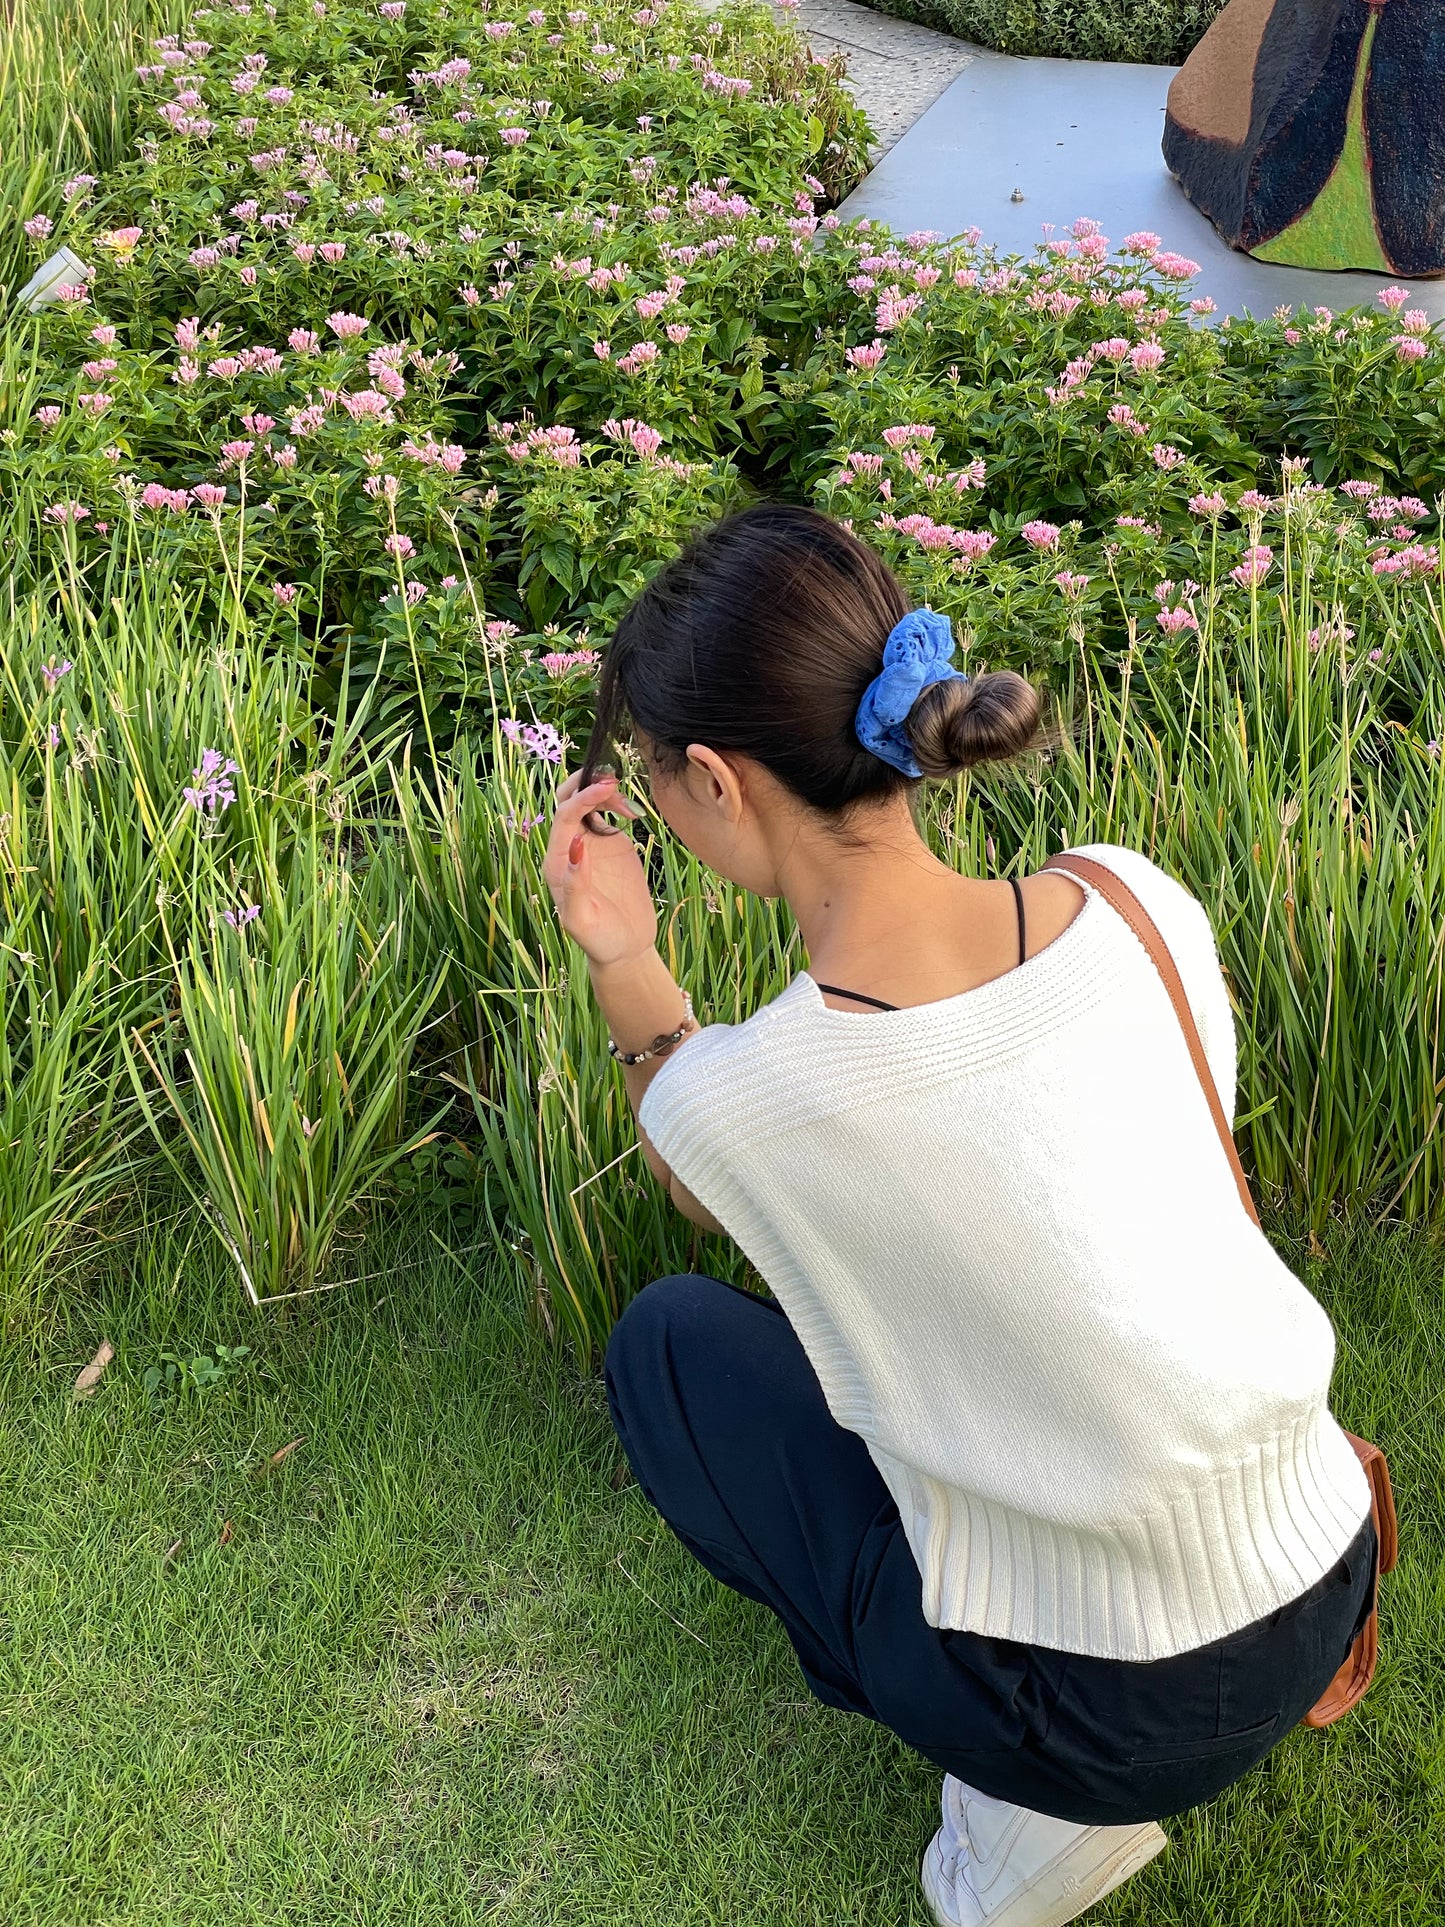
pixel 718 784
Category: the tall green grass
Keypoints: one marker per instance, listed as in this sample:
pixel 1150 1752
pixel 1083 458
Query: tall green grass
pixel 403 973
pixel 66 81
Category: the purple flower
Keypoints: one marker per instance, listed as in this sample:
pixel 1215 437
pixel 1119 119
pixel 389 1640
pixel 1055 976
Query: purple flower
pixel 211 791
pixel 53 671
pixel 238 919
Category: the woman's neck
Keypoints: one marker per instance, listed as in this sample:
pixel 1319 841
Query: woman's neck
pixel 891 908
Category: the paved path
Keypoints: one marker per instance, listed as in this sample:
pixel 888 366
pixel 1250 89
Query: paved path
pixel 896 70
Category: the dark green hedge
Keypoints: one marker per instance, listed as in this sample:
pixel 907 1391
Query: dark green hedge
pixel 1161 31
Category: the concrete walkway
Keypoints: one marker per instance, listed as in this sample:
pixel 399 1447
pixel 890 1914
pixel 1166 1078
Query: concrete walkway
pixel 895 70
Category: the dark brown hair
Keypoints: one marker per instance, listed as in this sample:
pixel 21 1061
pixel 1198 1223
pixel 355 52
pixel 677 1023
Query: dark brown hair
pixel 761 636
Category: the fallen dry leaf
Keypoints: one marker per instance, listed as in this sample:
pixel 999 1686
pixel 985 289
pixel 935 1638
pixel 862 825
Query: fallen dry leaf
pixel 172 1551
pixel 621 1476
pixel 225 1539
pixel 1316 1249
pixel 285 1451
pixel 86 1383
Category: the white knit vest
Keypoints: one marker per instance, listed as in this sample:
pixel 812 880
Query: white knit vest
pixel 1009 1240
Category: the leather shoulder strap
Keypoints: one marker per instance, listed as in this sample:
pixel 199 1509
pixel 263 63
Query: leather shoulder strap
pixel 1123 899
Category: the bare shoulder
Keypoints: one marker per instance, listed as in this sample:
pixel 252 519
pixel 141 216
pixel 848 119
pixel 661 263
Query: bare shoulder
pixel 1051 902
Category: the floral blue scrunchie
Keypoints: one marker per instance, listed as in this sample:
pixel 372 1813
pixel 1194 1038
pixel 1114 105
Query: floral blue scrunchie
pixel 918 652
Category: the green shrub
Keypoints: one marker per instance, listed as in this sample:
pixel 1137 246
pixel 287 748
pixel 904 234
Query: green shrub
pixel 1158 32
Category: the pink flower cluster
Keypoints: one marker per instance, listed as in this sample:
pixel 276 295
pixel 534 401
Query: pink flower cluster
pixel 1254 568
pixel 558 662
pixel 642 440
pixel 1419 559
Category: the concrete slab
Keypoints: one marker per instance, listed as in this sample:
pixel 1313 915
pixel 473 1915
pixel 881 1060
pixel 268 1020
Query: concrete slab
pixel 1073 138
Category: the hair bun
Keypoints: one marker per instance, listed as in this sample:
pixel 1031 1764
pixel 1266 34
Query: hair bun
pixel 988 718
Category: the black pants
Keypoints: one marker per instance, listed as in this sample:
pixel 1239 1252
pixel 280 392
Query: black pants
pixel 726 1429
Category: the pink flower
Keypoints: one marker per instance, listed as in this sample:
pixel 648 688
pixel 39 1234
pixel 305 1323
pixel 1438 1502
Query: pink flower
pixel 284 456
pixel 39 227
pixel 1203 305
pixel 1252 498
pixel 74 294
pixel 155 495
pixel 1040 535
pixel 1174 621
pixel 1175 267
pixel 98 370
pixel 1361 491
pixel 1165 455
pixel 1393 299
pixel 392 9
pixel 1409 347
pixel 1142 242
pixel 285 593
pixel 248 277
pixel 515 136
pixel 188 332
pixel 1415 321
pixel 367 404
pixel 306 421
pixel 401 546
pixel 204 257
pixel 47 416
pixel 304 341
pixel 1208 505
pixel 1145 357
pixel 1072 586
pixel 643 441
pixel 104 336
pixel 500 632
pixel 256 424
pixel 1123 416
pixel 469 295
pixel 1254 568
pixel 121 240
pixel 232 453
pixel 346 326
pixel 66 512
pixel 208 495
pixel 304 252
pixel 866 358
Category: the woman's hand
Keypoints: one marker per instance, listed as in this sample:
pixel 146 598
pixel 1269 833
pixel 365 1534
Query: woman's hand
pixel 596 877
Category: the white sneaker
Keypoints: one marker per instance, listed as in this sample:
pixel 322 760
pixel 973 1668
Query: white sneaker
pixel 995 1865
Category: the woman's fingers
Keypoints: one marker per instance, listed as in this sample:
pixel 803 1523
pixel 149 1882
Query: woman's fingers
pixel 575 805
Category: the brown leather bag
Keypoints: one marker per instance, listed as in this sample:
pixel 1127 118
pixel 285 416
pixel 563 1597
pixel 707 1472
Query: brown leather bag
pixel 1349 1683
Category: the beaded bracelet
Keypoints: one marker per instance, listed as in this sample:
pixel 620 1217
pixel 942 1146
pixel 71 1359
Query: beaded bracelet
pixel 662 1043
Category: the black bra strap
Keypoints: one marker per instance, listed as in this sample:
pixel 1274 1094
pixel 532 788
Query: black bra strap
pixel 1019 900
pixel 878 1004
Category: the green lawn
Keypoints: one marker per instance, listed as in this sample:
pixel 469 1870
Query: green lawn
pixel 448 1670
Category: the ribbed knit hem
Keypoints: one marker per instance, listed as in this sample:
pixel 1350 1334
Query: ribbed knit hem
pixel 1217 1559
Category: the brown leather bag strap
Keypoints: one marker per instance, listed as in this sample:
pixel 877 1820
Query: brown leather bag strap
pixel 1348 1686
pixel 1123 899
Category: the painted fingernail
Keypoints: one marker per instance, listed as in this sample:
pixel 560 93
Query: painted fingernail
pixel 574 851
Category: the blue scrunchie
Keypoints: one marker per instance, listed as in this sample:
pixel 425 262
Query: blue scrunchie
pixel 918 652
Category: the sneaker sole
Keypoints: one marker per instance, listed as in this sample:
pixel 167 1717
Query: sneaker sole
pixel 1060 1892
